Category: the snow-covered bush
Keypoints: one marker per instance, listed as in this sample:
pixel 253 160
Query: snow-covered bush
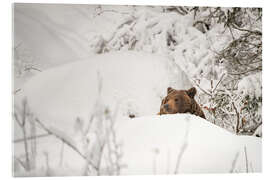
pixel 250 87
pixel 145 30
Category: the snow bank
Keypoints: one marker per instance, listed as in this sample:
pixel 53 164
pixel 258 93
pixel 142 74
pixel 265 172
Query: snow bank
pixel 152 145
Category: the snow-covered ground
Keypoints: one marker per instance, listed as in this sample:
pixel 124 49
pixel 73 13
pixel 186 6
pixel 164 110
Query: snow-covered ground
pixel 129 83
pixel 153 144
pixel 86 100
pixel 168 144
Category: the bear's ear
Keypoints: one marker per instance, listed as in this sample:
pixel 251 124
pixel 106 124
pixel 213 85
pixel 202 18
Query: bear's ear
pixel 169 90
pixel 192 92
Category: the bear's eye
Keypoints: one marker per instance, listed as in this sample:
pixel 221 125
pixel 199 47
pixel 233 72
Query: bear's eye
pixel 176 100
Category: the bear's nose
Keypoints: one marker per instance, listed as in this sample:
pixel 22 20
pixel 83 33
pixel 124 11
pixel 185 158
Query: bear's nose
pixel 166 106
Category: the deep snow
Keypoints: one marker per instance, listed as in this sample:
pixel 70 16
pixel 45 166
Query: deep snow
pixel 128 83
pixel 121 83
pixel 210 149
pixel 152 144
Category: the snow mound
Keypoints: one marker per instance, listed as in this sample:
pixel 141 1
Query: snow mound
pixel 152 145
pixel 167 144
pixel 117 85
pixel 129 82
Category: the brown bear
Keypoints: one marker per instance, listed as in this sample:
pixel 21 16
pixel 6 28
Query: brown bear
pixel 180 101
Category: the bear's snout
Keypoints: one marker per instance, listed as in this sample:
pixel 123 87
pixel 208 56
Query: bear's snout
pixel 166 107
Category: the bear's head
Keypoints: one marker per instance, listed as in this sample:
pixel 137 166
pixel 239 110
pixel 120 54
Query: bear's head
pixel 178 101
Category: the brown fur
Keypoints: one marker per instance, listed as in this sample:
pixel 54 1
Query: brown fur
pixel 180 101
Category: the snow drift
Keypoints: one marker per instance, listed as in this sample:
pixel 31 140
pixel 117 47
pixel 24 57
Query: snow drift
pixel 126 83
pixel 86 105
pixel 167 144
pixel 153 145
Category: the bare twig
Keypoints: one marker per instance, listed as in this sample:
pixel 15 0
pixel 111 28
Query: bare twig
pixel 31 137
pixel 17 46
pixel 66 142
pixel 20 162
pixel 32 68
pixel 182 149
pixel 179 157
pixel 238 118
pixel 33 142
pixel 108 11
pixel 102 144
pixel 246 30
pixel 47 164
pixel 22 123
pixel 207 93
pixel 234 162
pixel 221 78
pixel 113 146
pixel 17 90
pixel 245 72
pixel 231 32
pixel 177 9
pixel 246 158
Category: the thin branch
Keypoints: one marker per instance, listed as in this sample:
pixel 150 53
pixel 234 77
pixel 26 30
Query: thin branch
pixel 17 46
pixel 20 162
pixel 231 32
pixel 238 118
pixel 202 89
pixel 234 162
pixel 183 9
pixel 246 30
pixel 179 157
pixel 246 158
pixel 22 125
pixel 17 90
pixel 219 81
pixel 248 71
pixel 182 149
pixel 102 146
pixel 32 68
pixel 17 120
pixel 111 10
pixel 31 137
pixel 66 142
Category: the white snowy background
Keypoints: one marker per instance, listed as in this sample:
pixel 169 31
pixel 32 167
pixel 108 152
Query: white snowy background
pixel 81 71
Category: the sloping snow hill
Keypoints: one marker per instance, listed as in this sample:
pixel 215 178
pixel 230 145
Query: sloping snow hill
pixel 127 83
pixel 167 144
pixel 133 81
pixel 153 144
